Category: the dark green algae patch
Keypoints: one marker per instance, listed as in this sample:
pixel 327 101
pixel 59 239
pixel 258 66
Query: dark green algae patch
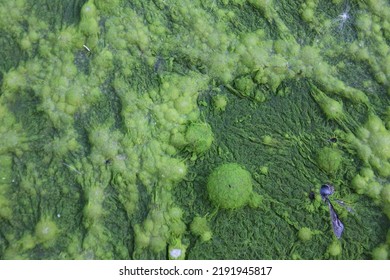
pixel 114 115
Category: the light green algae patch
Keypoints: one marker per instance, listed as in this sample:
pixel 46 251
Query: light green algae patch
pixel 329 160
pixel 114 116
pixel 200 227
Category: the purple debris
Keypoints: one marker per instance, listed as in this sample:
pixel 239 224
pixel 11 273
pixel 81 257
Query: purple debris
pixel 337 225
pixel 326 190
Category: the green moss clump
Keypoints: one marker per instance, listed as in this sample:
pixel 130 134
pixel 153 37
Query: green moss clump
pixel 372 145
pixel 14 80
pixel 46 231
pixel 230 186
pixel 200 227
pixel 245 85
pixel 385 194
pixel 332 108
pixel 184 105
pixel 268 140
pixel 106 6
pixel 69 39
pixel 305 234
pixel 255 200
pixel 121 120
pixel 103 63
pixel 308 15
pixel 367 173
pixel 374 189
pixel 5 180
pixel 380 253
pixel 380 144
pixel 199 137
pixel 157 244
pixel 172 169
pixel 89 27
pixel 329 160
pixel 334 249
pixel 89 24
pixel 175 213
pixel 88 10
pixel 5 209
pixel 263 170
pixel 220 102
pixel 141 238
pixel 177 228
pixel 388 238
pixel 28 242
pixel 359 183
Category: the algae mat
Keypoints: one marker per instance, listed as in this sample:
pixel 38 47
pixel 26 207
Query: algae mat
pixel 114 114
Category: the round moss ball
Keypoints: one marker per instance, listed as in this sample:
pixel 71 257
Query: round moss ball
pixel 230 186
pixel 305 234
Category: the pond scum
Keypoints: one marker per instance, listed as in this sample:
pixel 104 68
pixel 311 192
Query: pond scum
pixel 113 114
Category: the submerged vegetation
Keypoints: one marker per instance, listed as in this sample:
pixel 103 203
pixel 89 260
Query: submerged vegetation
pixel 113 115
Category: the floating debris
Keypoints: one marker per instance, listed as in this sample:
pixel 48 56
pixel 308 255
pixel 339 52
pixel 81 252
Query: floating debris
pixel 72 168
pixel 338 227
pixel 326 190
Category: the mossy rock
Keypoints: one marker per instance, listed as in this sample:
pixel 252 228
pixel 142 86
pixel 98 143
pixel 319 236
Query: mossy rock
pixel 230 186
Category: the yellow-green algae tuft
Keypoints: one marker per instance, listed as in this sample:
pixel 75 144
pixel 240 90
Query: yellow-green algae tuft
pixel 114 115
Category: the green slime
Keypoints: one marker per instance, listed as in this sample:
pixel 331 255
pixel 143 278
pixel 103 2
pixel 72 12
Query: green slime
pixel 114 113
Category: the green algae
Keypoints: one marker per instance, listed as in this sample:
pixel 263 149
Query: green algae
pixel 200 227
pixel 329 159
pixel 230 186
pixel 305 234
pixel 113 116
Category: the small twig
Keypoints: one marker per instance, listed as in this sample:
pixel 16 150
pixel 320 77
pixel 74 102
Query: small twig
pixel 72 168
pixel 88 49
